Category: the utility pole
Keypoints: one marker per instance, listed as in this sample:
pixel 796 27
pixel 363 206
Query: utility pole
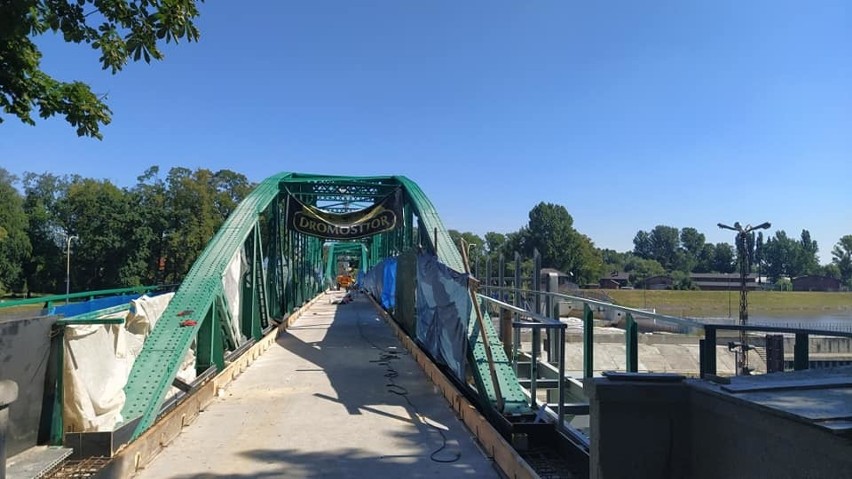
pixel 744 257
pixel 68 240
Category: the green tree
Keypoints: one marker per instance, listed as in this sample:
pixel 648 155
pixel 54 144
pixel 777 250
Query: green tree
pixel 475 252
pixel 120 30
pixel 494 241
pixel 706 259
pixel 830 270
pixel 640 269
pixel 149 196
pixel 842 257
pixel 780 255
pixel 516 242
pixel 785 256
pixel 45 268
pixel 15 246
pixel 642 245
pixel 589 265
pixel 197 203
pixel 613 260
pixel 806 254
pixel 723 258
pixel 661 244
pixel 113 243
pixel 692 243
pixel 551 231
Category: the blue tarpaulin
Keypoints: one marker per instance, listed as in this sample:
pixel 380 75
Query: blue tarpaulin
pixel 74 309
pixel 443 307
pixel 443 312
pixel 372 281
pixel 389 284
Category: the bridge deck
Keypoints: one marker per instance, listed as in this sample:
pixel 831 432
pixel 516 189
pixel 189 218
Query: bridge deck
pixel 318 404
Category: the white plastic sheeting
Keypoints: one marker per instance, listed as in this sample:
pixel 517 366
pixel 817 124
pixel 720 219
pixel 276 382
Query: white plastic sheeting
pixel 98 359
pixel 232 287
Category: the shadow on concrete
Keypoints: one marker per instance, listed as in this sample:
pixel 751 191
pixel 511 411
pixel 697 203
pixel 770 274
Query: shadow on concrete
pixel 350 463
pixel 350 353
pixel 353 355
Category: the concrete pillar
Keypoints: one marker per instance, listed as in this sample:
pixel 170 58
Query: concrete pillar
pixel 639 426
pixel 8 394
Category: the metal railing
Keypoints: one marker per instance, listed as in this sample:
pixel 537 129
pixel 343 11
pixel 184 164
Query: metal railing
pixel 693 327
pixel 527 320
pixel 801 348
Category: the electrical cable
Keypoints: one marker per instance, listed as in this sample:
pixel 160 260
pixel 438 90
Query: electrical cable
pixel 385 358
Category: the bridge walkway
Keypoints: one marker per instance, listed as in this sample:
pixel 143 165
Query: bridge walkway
pixel 337 396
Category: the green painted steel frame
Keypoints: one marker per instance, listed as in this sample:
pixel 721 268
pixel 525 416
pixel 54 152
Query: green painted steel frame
pixel 284 270
pixel 277 279
pixel 340 248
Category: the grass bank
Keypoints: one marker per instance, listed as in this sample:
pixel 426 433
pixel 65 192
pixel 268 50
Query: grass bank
pixel 716 303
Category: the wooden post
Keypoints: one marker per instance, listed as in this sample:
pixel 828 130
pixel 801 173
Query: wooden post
pixel 481 321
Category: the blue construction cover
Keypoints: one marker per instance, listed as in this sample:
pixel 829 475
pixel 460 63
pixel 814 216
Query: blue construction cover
pixel 443 312
pixel 75 309
pixel 372 281
pixel 389 284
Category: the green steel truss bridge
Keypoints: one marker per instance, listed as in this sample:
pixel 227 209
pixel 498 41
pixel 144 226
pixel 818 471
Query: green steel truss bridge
pixel 282 269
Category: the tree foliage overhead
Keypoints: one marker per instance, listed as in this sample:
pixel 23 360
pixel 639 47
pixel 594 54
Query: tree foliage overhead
pixel 121 30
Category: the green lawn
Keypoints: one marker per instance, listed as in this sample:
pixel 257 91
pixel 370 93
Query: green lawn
pixel 716 303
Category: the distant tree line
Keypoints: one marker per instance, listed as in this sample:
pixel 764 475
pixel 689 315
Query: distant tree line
pixel 778 257
pixel 662 250
pixel 550 231
pixel 151 232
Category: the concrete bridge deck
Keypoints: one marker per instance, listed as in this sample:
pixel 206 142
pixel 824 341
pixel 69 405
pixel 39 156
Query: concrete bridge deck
pixel 337 396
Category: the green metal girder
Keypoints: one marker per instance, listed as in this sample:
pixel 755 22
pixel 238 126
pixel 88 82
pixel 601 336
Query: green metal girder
pixel 293 275
pixel 196 300
pixel 340 248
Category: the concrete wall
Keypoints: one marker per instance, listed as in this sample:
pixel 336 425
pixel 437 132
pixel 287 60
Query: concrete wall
pixel 647 429
pixel 24 352
pixel 732 440
pixel 638 429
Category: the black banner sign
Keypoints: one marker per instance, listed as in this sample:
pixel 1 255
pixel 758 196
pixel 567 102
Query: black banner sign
pixel 382 216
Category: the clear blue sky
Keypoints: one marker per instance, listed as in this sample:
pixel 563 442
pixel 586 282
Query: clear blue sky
pixel 630 114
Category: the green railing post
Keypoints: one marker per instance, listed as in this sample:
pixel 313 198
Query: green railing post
pixel 801 360
pixel 588 342
pixel 632 344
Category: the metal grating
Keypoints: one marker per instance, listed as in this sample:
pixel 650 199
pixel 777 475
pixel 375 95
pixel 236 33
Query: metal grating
pixel 548 464
pixel 80 468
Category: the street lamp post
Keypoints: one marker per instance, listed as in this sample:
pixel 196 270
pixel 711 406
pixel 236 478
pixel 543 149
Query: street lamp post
pixel 68 240
pixel 744 257
pixel 470 258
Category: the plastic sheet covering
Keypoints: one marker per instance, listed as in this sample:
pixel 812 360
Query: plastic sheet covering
pixel 98 359
pixel 232 287
pixel 443 312
pixel 389 284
